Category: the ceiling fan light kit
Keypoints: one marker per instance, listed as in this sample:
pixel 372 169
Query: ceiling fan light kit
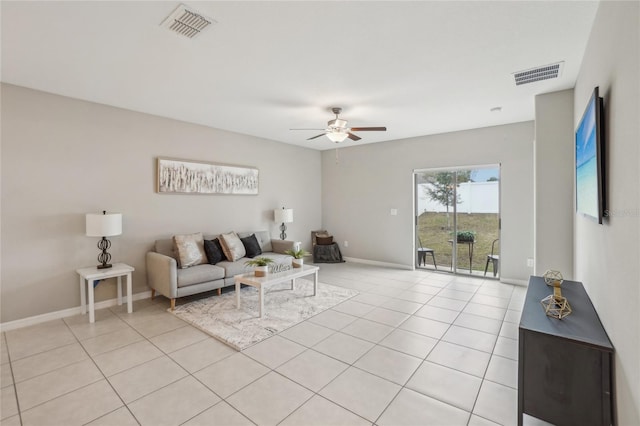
pixel 337 130
pixel 337 136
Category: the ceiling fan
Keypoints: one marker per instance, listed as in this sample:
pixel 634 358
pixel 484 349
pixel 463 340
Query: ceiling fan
pixel 338 131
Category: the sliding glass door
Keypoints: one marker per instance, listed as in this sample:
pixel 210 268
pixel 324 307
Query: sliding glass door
pixel 458 219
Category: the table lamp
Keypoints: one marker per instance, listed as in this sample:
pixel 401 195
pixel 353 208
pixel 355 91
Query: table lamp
pixel 104 225
pixel 283 216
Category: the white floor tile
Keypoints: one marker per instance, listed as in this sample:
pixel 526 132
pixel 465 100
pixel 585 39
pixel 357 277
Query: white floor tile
pixel 221 414
pixel 75 408
pixel 231 374
pixel 425 326
pixel 179 338
pixel 120 417
pixel 47 386
pixel 343 347
pixel 497 403
pixel 460 358
pixel 447 385
pixel 438 314
pixel 506 347
pixel 503 370
pixel 485 310
pixel 414 296
pixel 477 322
pixel 270 399
pixel 411 408
pixel 387 316
pixel 367 330
pixel 201 354
pixel 274 351
pixel 38 338
pixel 312 369
pixel 333 319
pixel 370 299
pixel 413 344
pixel 509 330
pixel 392 365
pixel 307 333
pixel 361 392
pixel 319 411
pixel 9 403
pixel 121 359
pixel 187 397
pixel 404 306
pixel 110 341
pixel 146 378
pixel 45 362
pixel 351 307
pixel 445 302
pixel 471 338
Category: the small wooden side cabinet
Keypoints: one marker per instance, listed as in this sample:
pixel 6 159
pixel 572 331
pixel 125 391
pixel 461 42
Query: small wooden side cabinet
pixel 564 366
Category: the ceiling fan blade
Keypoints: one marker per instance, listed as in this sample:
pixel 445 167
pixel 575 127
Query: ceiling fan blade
pixel 306 129
pixel 321 134
pixel 353 137
pixel 365 129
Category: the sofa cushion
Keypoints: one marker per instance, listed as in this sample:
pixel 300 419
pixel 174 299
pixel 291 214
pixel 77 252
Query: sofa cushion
pixel 190 249
pixel 232 246
pixel 166 247
pixel 263 237
pixel 199 274
pixel 251 245
pixel 324 240
pixel 214 251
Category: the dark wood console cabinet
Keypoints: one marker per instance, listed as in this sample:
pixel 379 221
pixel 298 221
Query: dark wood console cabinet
pixel 565 367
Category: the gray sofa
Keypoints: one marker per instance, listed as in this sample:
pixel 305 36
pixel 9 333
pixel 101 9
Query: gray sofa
pixel 165 277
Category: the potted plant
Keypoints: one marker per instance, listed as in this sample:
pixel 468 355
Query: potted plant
pixel 466 236
pixel 261 265
pixel 298 256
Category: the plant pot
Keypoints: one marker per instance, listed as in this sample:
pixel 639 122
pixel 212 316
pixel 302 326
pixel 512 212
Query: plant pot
pixel 297 263
pixel 261 271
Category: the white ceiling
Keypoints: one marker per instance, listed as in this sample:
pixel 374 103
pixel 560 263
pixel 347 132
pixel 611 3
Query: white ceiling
pixel 419 68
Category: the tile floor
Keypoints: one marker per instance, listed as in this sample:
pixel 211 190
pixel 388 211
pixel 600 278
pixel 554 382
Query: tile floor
pixel 412 348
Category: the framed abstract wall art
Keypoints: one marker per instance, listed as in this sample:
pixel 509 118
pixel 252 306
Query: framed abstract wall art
pixel 196 177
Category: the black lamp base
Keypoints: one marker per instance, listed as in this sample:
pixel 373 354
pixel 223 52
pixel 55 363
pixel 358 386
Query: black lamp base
pixel 104 257
pixel 283 235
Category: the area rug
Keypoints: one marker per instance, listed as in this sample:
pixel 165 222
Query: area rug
pixel 283 308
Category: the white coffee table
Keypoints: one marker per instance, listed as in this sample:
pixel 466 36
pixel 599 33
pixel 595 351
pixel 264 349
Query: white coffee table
pixel 274 278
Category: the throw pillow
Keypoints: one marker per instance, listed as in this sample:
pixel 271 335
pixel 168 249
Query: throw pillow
pixel 213 250
pixel 251 245
pixel 190 249
pixel 324 241
pixel 232 247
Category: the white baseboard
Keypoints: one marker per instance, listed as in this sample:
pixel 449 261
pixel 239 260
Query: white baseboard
pixel 25 322
pixel 514 281
pixel 376 263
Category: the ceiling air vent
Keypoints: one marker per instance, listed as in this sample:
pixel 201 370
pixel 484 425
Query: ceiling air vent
pixel 539 73
pixel 186 22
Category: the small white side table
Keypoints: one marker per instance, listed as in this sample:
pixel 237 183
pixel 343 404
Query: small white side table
pixel 89 275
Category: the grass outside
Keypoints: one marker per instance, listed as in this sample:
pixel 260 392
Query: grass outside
pixel 435 234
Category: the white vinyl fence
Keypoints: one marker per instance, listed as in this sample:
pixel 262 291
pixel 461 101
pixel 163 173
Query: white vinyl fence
pixel 475 197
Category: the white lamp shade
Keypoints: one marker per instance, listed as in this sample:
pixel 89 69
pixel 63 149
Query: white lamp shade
pixel 104 225
pixel 283 215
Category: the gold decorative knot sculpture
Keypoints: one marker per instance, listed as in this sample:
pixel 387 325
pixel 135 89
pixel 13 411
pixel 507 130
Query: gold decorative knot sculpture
pixel 555 305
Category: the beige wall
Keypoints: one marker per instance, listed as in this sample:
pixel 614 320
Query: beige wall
pixel 364 182
pixel 553 183
pixel 607 256
pixel 62 158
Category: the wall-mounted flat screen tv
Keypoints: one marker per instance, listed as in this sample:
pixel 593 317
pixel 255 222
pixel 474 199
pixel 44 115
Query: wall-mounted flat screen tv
pixel 590 188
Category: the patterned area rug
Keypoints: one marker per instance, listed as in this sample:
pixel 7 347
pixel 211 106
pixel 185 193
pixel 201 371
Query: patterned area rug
pixel 283 308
